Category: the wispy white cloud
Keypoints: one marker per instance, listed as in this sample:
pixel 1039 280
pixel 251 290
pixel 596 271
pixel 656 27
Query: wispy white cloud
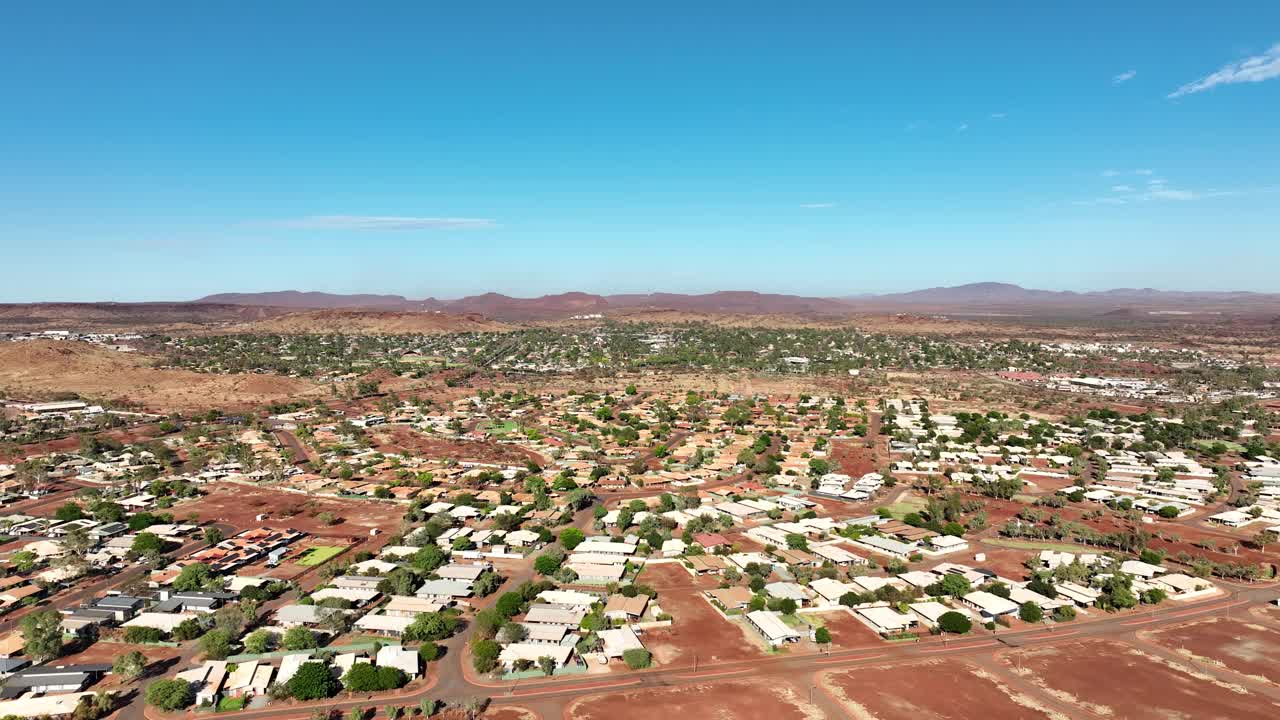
pixel 1250 70
pixel 962 127
pixel 911 126
pixel 1124 77
pixel 1121 188
pixel 998 116
pixel 818 205
pixel 1110 173
pixel 1143 171
pixel 384 222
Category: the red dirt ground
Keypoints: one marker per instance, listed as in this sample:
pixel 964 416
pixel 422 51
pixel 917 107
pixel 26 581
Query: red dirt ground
pixel 847 632
pixel 774 700
pixel 239 504
pixel 697 629
pixel 1241 646
pixel 107 652
pixel 1116 680
pixel 397 439
pixel 853 458
pixel 942 689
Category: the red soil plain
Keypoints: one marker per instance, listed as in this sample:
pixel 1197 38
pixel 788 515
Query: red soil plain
pixel 697 629
pixel 774 700
pixel 1239 645
pixel 949 689
pixel 239 505
pixel 1112 679
pixel 402 439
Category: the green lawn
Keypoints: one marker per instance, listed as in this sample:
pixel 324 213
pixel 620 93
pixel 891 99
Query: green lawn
pixel 905 507
pixel 1034 545
pixel 230 704
pixel 319 554
pixel 1231 447
pixel 502 428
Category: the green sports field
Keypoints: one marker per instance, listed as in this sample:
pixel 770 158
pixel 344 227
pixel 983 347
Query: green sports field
pixel 318 555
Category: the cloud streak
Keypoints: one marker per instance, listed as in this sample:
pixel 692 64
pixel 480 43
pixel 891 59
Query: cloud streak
pixel 384 222
pixel 818 205
pixel 1124 77
pixel 1250 70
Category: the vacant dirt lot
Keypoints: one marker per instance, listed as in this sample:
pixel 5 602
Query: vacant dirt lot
pixel 1245 647
pixel 696 627
pixel 239 504
pixel 847 632
pixel 398 439
pixel 42 369
pixel 1113 679
pixel 774 700
pixel 159 659
pixel 942 689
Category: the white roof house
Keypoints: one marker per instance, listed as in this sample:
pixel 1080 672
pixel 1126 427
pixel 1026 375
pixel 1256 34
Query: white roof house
pixel 788 591
pixel 605 546
pixel 165 622
pixel 886 621
pixel 619 640
pixel 929 611
pixel 830 590
pixel 389 624
pixel 772 628
pixel 886 545
pixel 515 652
pixel 1140 569
pixel 837 555
pixel 399 657
pixel 568 598
pixel 990 606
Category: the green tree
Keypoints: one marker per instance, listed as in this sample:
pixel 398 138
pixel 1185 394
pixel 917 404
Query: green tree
pixel 216 644
pixel 484 655
pixel 510 604
pixel 24 561
pixel 362 677
pixel 212 535
pixel 148 545
pixel 954 623
pixel 42 635
pixel 299 638
pixel 68 512
pixel 822 636
pixel 193 577
pixel 1030 612
pixel 130 665
pixel 313 681
pixel 637 658
pixel 170 695
pixel 571 537
pixel 258 642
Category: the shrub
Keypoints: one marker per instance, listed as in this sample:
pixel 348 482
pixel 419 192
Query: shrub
pixel 954 623
pixel 484 655
pixel 142 635
pixel 170 695
pixel 1031 612
pixel 822 636
pixel 429 651
pixel 313 681
pixel 1066 613
pixel 299 638
pixel 637 658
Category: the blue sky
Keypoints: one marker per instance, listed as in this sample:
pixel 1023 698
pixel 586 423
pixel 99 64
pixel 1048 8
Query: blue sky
pixel 158 151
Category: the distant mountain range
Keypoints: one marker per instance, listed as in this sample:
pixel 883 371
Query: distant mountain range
pixel 975 297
